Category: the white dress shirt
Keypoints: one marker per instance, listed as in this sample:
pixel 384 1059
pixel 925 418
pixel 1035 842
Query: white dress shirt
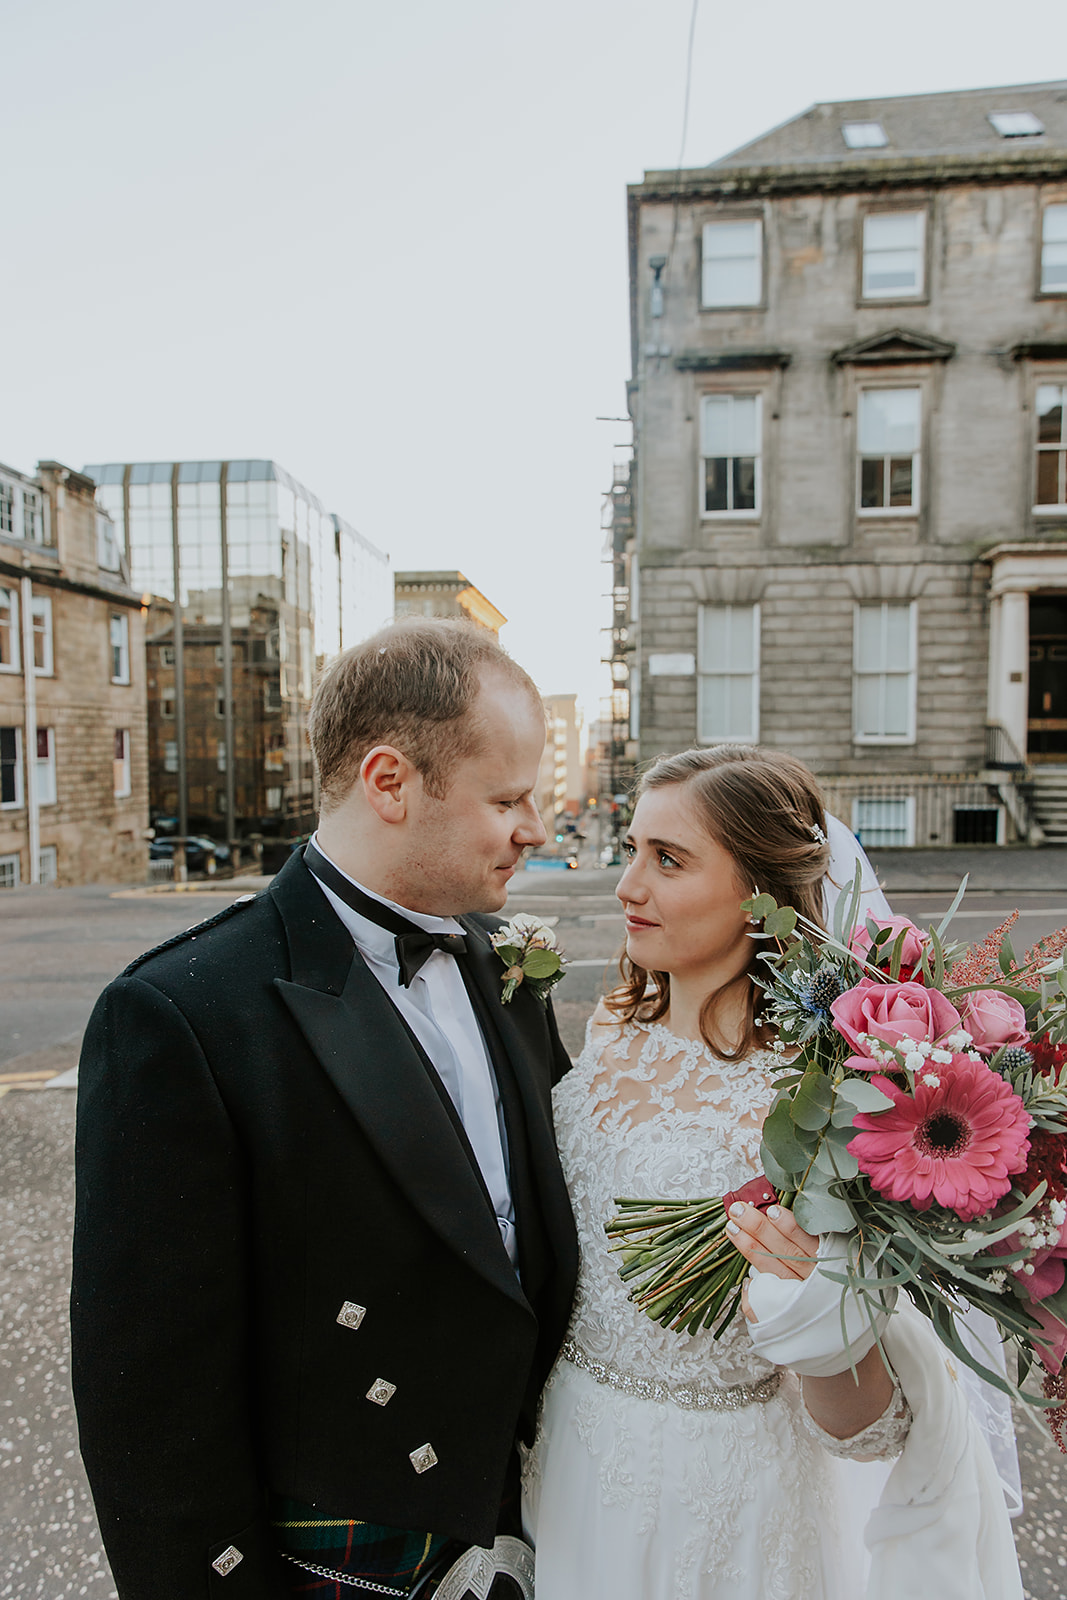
pixel 438 1010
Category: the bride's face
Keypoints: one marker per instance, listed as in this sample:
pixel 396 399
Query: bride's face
pixel 681 893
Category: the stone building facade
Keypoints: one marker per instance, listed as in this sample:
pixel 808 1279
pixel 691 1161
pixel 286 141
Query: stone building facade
pixel 444 594
pixel 73 749
pixel 850 474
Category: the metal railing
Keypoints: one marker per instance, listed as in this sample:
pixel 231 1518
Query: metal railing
pixel 1001 750
pixel 936 810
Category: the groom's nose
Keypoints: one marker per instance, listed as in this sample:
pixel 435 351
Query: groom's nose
pixel 529 829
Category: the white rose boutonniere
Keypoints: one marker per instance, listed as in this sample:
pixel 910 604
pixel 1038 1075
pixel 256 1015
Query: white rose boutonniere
pixel 527 947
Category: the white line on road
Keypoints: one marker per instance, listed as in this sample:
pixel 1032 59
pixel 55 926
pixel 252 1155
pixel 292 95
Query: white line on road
pixel 1024 911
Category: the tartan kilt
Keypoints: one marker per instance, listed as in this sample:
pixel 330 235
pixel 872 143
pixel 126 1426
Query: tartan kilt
pixel 394 1558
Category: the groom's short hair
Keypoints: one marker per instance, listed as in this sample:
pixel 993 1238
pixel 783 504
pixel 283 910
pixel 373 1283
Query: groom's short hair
pixel 412 685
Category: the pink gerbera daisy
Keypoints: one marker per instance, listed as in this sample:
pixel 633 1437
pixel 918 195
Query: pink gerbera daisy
pixel 956 1141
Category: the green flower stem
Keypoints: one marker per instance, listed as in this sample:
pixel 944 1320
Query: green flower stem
pixel 688 1271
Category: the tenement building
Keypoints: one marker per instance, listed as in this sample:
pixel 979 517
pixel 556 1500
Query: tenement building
pixel 561 778
pixel 445 594
pixel 250 586
pixel 73 752
pixel 850 364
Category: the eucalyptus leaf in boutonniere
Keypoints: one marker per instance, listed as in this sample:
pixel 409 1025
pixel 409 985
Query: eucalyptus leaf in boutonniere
pixel 527 947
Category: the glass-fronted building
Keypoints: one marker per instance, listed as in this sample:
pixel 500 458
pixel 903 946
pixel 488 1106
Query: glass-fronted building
pixel 251 585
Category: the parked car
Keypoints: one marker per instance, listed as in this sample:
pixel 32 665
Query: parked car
pixel 221 851
pixel 200 854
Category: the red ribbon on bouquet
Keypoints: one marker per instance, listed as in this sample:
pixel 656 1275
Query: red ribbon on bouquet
pixel 757 1192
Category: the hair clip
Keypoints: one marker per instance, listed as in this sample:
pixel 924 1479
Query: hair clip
pixel 817 834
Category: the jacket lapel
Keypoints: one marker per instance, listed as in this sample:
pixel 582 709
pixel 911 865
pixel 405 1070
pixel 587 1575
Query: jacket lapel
pixel 522 1035
pixel 377 1068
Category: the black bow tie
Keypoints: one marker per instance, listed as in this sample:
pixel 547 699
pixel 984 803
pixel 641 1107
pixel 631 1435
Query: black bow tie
pixel 414 945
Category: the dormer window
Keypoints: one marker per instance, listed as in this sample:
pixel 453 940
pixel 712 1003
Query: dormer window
pixel 1016 124
pixel 864 135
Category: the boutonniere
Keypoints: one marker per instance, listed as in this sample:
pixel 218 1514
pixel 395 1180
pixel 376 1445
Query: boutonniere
pixel 527 947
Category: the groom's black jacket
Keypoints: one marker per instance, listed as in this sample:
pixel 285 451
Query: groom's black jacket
pixel 261 1142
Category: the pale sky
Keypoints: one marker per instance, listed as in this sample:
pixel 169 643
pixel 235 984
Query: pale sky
pixel 386 244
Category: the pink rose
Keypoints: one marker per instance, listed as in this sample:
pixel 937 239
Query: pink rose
pixel 864 1064
pixel 1048 1263
pixel 893 1012
pixel 993 1019
pixel 911 951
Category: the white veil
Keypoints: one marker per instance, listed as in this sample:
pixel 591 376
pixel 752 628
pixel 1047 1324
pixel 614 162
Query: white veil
pixel 990 1407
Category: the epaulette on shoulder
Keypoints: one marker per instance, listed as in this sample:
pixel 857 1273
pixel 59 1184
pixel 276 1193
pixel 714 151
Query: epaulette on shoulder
pixel 190 933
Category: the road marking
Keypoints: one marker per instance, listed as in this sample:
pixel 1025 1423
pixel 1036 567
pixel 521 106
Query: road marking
pixel 1024 911
pixel 27 1077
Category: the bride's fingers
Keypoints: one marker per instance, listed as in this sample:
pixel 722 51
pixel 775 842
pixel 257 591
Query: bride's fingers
pixel 773 1241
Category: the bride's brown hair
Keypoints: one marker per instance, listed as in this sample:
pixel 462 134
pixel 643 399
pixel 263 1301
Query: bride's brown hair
pixel 765 810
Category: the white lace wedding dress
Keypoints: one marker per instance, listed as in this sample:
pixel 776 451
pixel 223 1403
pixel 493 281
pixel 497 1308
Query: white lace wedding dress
pixel 645 1482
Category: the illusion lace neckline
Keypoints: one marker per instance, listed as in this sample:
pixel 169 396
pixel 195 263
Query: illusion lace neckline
pixel 644 1073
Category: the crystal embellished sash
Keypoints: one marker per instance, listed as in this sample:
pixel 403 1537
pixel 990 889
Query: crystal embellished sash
pixel 685 1395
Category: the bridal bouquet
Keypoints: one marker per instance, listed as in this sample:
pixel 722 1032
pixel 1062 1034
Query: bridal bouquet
pixel 921 1109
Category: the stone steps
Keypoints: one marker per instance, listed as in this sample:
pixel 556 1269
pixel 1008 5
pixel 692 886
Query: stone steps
pixel 1050 802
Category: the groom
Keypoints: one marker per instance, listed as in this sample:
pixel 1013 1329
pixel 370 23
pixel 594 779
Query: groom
pixel 324 1256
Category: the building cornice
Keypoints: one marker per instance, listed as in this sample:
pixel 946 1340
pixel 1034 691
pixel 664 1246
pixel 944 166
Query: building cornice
pixel 731 360
pixel 52 579
pixel 1039 350
pixel 1036 547
pixel 892 172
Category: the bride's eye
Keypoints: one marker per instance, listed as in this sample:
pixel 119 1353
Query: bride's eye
pixel 629 850
pixel 665 860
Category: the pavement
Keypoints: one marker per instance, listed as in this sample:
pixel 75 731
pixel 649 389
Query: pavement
pixel 57 950
pixel 1010 869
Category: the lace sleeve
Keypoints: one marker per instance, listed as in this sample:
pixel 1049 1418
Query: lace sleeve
pixel 881 1440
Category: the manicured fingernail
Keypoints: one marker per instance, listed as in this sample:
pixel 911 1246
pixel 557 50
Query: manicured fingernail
pixel 738 1208
pixel 774 1211
pixel 731 1227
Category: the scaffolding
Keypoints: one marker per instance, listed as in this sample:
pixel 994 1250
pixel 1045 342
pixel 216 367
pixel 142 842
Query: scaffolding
pixel 617 748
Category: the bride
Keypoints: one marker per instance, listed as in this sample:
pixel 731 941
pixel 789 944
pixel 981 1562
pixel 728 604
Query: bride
pixel 676 1467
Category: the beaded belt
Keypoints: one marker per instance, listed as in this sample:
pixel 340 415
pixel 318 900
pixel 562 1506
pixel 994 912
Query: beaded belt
pixel 685 1395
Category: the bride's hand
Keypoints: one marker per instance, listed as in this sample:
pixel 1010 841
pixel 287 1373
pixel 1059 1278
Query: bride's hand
pixel 772 1241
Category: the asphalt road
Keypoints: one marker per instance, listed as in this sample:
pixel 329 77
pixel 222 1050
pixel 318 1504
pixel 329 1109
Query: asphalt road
pixel 57 950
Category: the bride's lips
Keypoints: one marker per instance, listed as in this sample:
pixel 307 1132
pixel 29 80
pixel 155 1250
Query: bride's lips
pixel 638 924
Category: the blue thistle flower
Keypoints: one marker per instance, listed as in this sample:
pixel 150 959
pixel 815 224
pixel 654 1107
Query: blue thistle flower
pixel 1015 1058
pixel 820 991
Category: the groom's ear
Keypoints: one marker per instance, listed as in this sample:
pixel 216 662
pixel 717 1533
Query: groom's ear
pixel 388 779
